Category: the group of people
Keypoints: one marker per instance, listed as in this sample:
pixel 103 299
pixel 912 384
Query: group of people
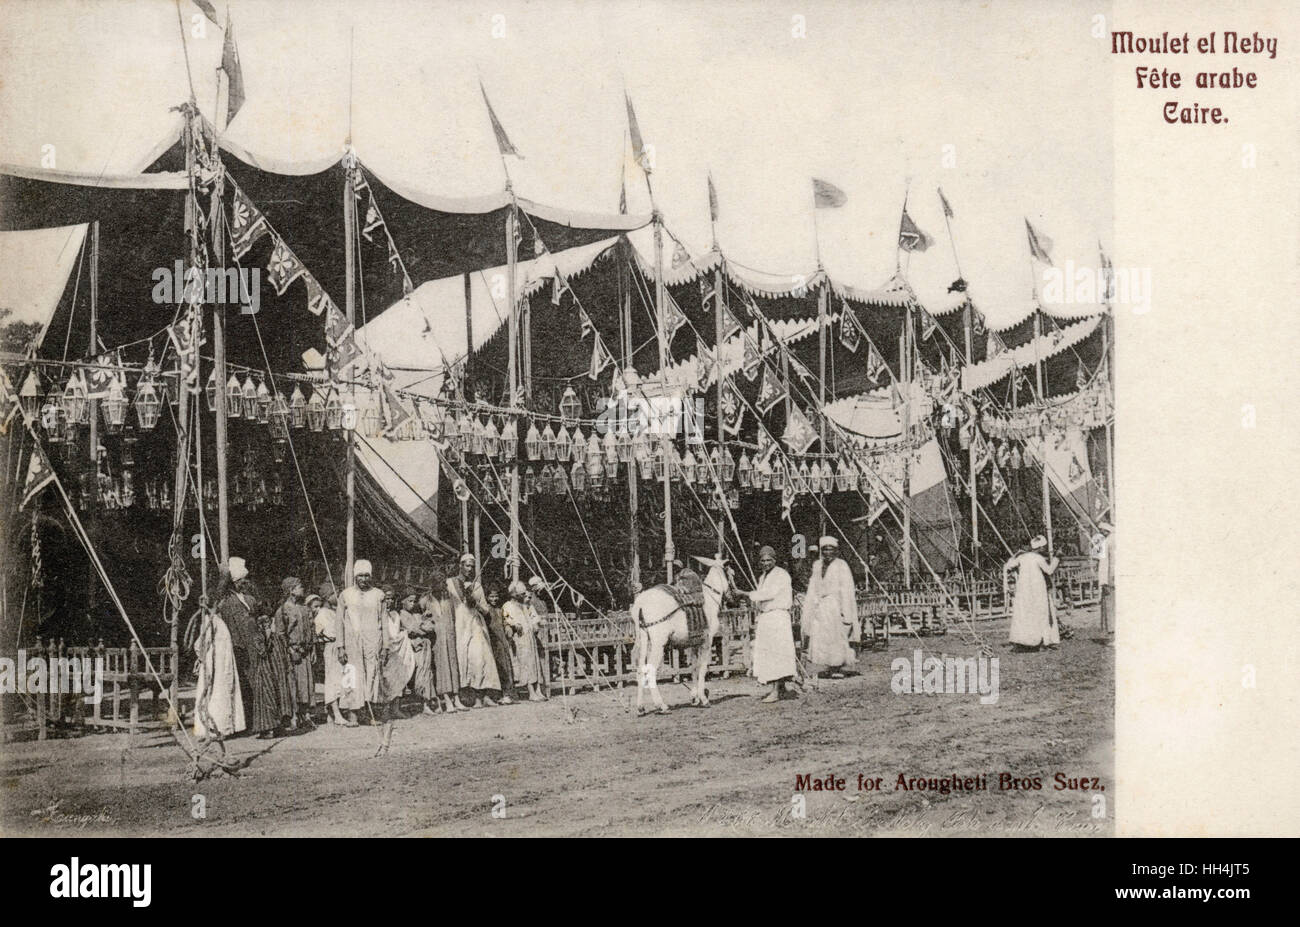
pixel 258 664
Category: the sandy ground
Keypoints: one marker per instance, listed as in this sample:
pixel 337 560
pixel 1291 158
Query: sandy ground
pixel 596 769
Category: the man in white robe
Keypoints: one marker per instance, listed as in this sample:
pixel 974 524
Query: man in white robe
pixel 773 658
pixel 361 613
pixel 478 668
pixel 218 703
pixel 830 611
pixel 1034 624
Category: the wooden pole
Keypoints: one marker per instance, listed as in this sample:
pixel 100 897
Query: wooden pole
pixel 512 258
pixel 94 335
pixel 665 437
pixel 1107 348
pixel 823 298
pixel 220 432
pixel 1047 489
pixel 349 263
pixel 625 308
pixel 974 499
pixel 906 363
pixel 466 379
pixel 717 366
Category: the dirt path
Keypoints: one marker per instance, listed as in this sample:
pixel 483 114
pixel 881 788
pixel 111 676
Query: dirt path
pixel 730 769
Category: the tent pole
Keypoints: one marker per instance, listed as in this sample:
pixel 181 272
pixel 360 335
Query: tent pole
pixel 717 364
pixel 823 298
pixel 512 258
pixel 94 335
pixel 466 378
pixel 665 438
pixel 221 433
pixel 974 500
pixel 1106 349
pixel 905 361
pixel 625 309
pixel 349 254
pixel 1047 492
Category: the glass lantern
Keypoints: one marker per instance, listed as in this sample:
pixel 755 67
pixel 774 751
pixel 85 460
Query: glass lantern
pixel 477 436
pixel 30 394
pixel 559 480
pixel 579 452
pixel 114 408
pixel 530 481
pixel 844 480
pixel 333 410
pixel 509 440
pixel 646 466
pixel 687 467
pixel 563 444
pixel 297 408
pixel 210 391
pixel 661 460
pixel 728 467
pixel 610 446
pixel 249 391
pixel 148 407
pixel 264 402
pixel 234 397
pixel 744 470
pixel 578 477
pixel 533 442
pixel 570 407
pixel 316 411
pixel 75 406
pixel 548 442
pixel 279 417
pixel 762 476
pixel 491 439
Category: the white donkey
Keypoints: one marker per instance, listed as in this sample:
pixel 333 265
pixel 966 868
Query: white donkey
pixel 658 620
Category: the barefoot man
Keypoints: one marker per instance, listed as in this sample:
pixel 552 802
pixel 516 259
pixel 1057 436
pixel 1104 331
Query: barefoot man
pixel 773 638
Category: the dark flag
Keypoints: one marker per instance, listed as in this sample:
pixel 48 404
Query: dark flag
pixel 208 10
pixel 634 131
pixel 503 140
pixel 1039 244
pixel 827 195
pixel 910 237
pixel 713 201
pixel 39 475
pixel 234 73
pixel 947 210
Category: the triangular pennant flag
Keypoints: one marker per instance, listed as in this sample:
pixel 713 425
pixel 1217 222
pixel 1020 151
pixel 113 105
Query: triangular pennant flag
pixel 733 409
pixel 208 10
pixel 681 256
pixel 317 299
pixel 247 224
pixel 910 236
pixel 799 433
pixel 344 353
pixel 503 141
pixel 674 318
pixel 234 73
pixel 1076 470
pixel 752 359
pixel 827 196
pixel 600 358
pixel 875 364
pixel 585 321
pixel 947 210
pixel 284 267
pixel 982 453
pixel 768 394
pixel 558 286
pixel 39 475
pixel 850 337
pixel 713 200
pixel 1039 244
pixel 336 325
pixel 394 258
pixel 995 346
pixel 928 325
pixel 397 413
pixel 730 325
pixel 705 355
pixel 373 219
pixel 634 131
pixel 999 485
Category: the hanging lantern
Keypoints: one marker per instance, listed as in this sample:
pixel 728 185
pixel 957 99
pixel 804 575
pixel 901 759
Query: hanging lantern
pixel 548 443
pixel 509 440
pixel 277 489
pixel 675 465
pixel 30 394
pixel 491 439
pixel 333 410
pixel 728 467
pixel 689 467
pixel 129 439
pixel 530 481
pixel 53 414
pixel 533 442
pixel 714 470
pixel 744 471
pixel 148 407
pixel 316 411
pixel 451 430
pixel 297 408
pixel 610 446
pixel 660 461
pixel 641 445
pixel 279 447
pixel 646 466
pixel 279 417
pixel 570 407
pixel 626 443
pixel 864 480
pixel 249 392
pixel 1016 460
pixel 477 436
pixel 75 405
pixel 578 476
pixel 234 398
pixel 844 480
pixel 559 480
pixel 543 484
pixel 563 444
pixel 579 452
pixel 210 391
pixel 761 478
pixel 114 408
pixel 264 402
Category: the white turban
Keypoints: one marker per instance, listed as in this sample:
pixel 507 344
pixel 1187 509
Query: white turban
pixel 361 566
pixel 1038 543
pixel 238 569
pixel 518 588
pixel 828 541
pixel 467 558
pixel 535 582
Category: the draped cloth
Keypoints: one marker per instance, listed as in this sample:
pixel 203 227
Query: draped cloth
pixel 363 633
pixel 397 665
pixel 1033 614
pixel 830 614
pixel 327 625
pixel 523 622
pixel 478 669
pixel 217 699
pixel 773 655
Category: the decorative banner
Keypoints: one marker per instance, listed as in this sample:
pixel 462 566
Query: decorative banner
pixel 373 219
pixel 1039 244
pixel 681 256
pixel 674 318
pixel 600 358
pixel 395 413
pixel 768 394
pixel 850 337
pixel 799 433
pixel 733 409
pixel 343 354
pixel 336 325
pixel 983 456
pixel 585 321
pixel 928 325
pixel 39 475
pixel 910 236
pixel 752 359
pixel 730 325
pixel 247 224
pixel 995 346
pixel 317 299
pixel 284 267
pixel 875 364
pixel 999 485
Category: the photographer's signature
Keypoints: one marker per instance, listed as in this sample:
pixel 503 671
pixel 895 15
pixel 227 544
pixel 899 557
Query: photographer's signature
pixel 51 814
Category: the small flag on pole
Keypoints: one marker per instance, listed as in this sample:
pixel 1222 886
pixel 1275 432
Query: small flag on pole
pixel 768 394
pixel 600 358
pixel 634 131
pixel 713 200
pixel 1039 244
pixel 799 433
pixel 827 195
pixel 234 73
pixel 999 485
pixel 39 475
pixel 503 140
pixel 995 346
pixel 875 364
pixel 910 236
pixel 947 210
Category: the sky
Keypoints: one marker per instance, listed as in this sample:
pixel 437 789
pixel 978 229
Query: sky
pixel 871 97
